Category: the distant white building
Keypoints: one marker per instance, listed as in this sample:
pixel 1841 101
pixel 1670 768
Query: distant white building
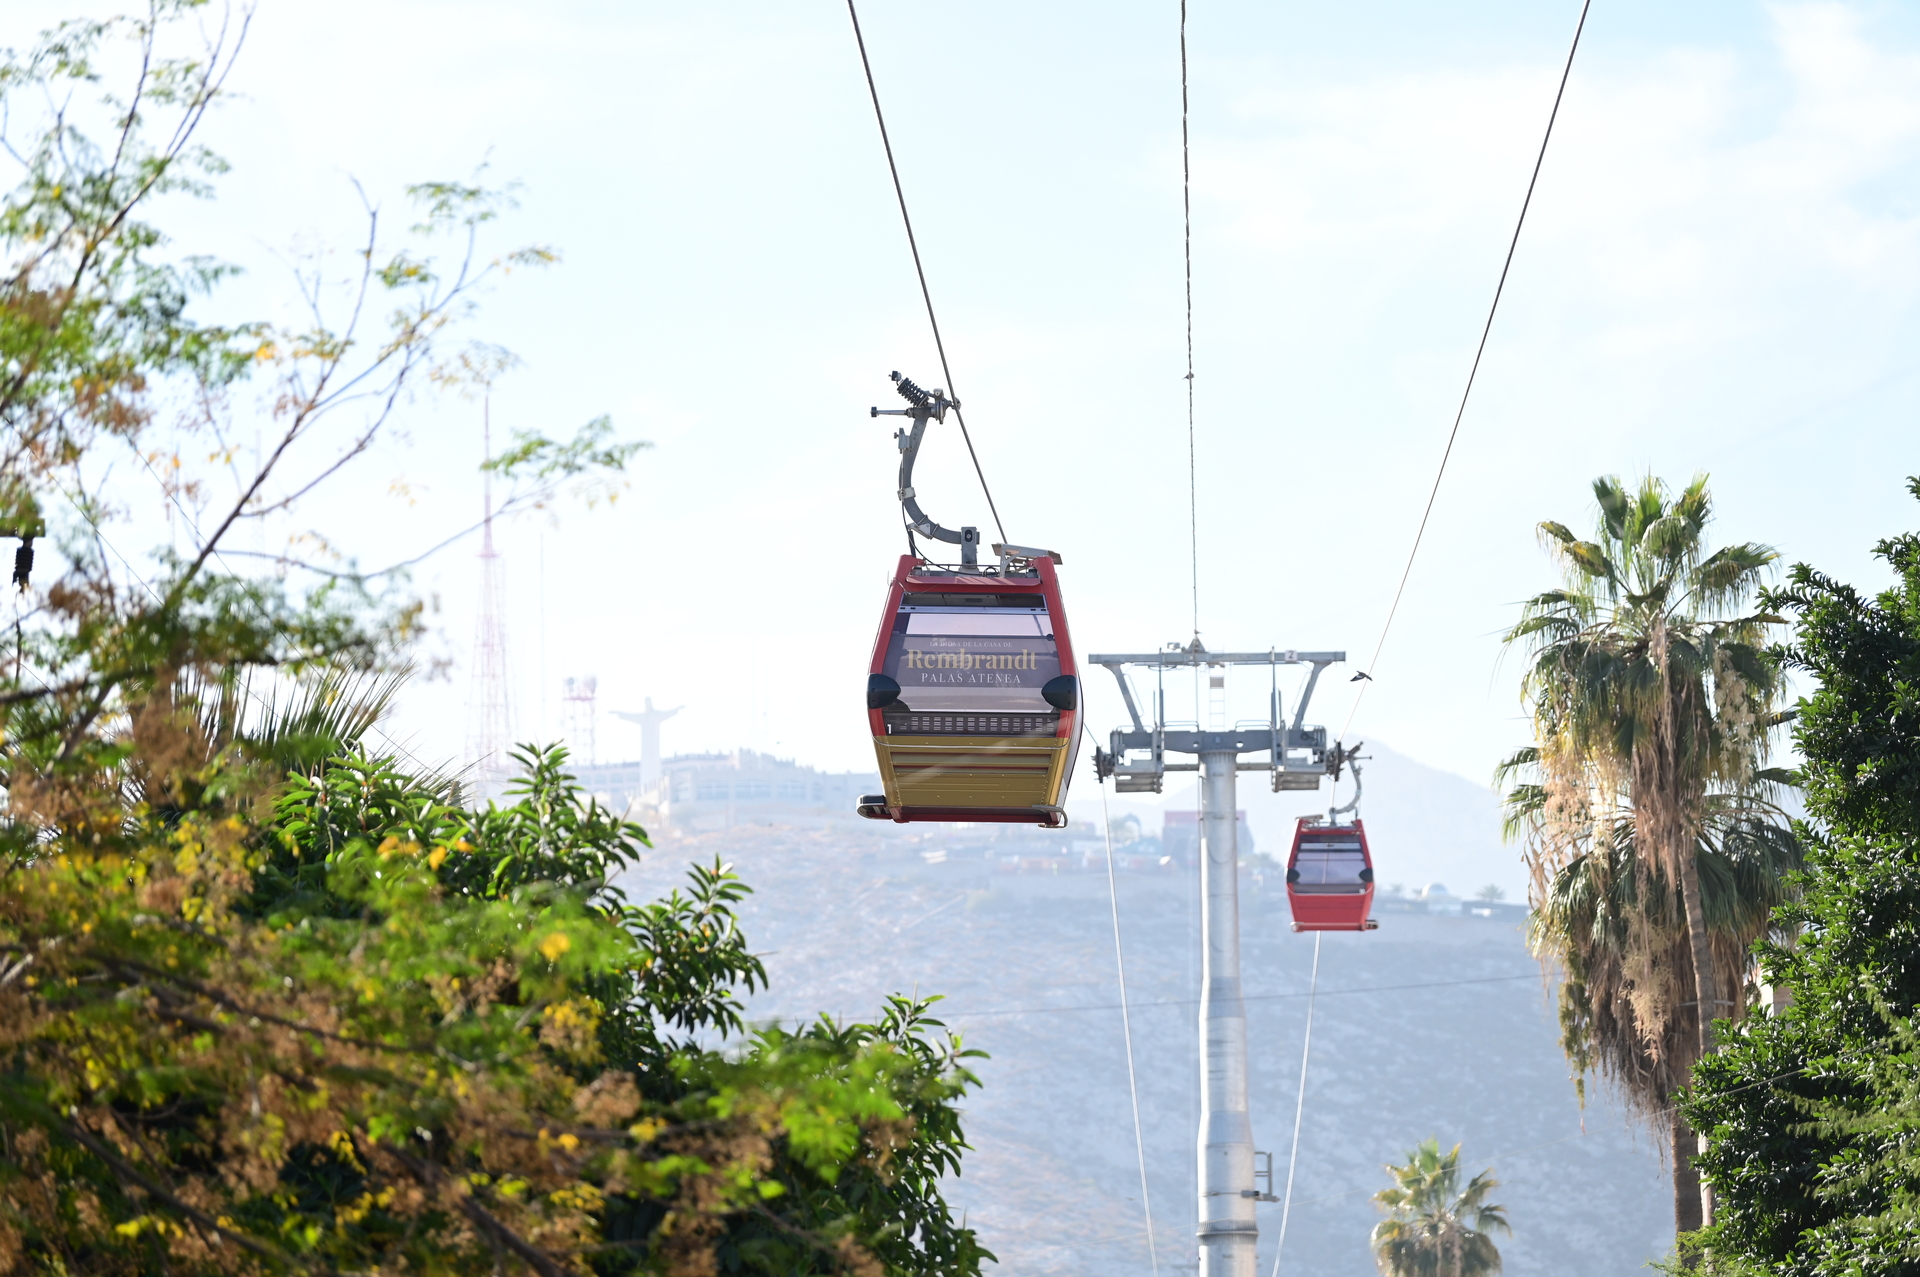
pixel 1439 900
pixel 717 791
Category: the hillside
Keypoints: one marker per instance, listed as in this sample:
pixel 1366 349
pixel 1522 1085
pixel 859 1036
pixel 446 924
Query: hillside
pixel 1430 1026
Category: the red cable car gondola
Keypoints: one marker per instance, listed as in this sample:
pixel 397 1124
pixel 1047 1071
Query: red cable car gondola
pixel 973 695
pixel 1330 876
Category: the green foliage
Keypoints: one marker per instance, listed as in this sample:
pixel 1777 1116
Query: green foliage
pixel 90 311
pixel 587 451
pixel 271 1002
pixel 1434 1228
pixel 1812 1112
pixel 372 1029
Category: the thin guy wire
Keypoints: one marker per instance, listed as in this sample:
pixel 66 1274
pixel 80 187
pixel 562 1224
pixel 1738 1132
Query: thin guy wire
pixel 926 294
pixel 1186 226
pixel 1194 1002
pixel 1568 1139
pixel 1485 330
pixel 1126 1029
pixel 1299 1109
pixel 1500 1156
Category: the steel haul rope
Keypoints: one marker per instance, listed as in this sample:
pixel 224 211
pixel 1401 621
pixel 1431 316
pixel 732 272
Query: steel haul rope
pixel 1126 1027
pixel 1186 222
pixel 926 294
pixel 1299 1108
pixel 1364 677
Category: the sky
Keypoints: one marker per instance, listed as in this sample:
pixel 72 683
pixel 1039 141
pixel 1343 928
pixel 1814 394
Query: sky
pixel 1719 273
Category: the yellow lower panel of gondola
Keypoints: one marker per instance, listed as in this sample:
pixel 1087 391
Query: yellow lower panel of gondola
pixel 1005 773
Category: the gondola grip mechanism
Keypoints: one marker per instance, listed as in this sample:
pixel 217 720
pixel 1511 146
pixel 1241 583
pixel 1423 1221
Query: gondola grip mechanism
pixel 928 405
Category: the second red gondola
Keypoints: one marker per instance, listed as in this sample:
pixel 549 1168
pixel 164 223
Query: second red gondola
pixel 1330 877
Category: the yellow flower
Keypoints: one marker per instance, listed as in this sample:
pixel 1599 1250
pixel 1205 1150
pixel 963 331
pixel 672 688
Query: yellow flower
pixel 555 945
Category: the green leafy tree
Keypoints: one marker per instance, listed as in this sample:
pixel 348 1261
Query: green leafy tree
pixel 1651 697
pixel 272 1001
pixel 368 1029
pixel 1812 1112
pixel 1434 1228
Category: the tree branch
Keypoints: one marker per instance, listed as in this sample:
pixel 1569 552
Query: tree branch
pixel 128 965
pixel 428 1173
pixel 127 1171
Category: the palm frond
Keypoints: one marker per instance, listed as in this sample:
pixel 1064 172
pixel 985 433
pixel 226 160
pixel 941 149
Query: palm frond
pixel 1431 1230
pixel 1615 506
pixel 306 721
pixel 1695 503
pixel 1521 759
pixel 1590 560
pixel 1727 578
pixel 1671 539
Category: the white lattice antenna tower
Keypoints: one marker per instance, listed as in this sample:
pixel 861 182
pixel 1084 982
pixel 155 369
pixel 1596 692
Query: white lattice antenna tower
pixel 489 711
pixel 578 723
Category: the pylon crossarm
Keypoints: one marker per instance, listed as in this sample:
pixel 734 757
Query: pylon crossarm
pixel 1306 693
pixel 1183 658
pixel 1126 694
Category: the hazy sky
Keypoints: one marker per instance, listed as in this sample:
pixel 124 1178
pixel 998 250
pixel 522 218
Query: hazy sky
pixel 1720 273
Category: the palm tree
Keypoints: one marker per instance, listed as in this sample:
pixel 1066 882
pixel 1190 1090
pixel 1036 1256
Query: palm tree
pixel 1651 697
pixel 1626 1004
pixel 1430 1230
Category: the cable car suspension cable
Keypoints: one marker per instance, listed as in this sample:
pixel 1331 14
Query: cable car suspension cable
pixel 1364 678
pixel 1186 218
pixel 926 294
pixel 1126 1028
pixel 1299 1108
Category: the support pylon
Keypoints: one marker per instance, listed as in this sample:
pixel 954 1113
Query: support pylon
pixel 1228 1231
pixel 489 709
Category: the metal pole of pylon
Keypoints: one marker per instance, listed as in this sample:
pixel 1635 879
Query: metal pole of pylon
pixel 1228 1232
pixel 1137 761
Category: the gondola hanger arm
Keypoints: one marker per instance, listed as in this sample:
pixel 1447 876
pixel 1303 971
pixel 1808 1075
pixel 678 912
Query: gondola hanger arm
pixel 924 406
pixel 1348 758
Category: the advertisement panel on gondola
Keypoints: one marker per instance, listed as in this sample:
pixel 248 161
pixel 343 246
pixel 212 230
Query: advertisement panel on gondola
pixel 972 659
